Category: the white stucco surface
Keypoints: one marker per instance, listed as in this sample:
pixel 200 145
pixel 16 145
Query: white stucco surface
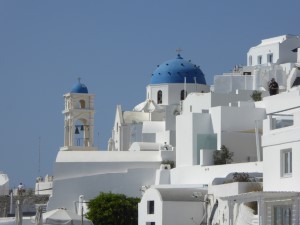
pixel 206 174
pixel 172 206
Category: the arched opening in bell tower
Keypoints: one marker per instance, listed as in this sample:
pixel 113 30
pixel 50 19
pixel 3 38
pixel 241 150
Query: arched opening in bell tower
pixel 82 104
pixel 82 133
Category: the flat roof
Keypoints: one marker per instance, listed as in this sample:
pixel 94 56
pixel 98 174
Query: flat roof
pixel 182 194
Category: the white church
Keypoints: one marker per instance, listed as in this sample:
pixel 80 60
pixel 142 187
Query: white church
pixel 182 122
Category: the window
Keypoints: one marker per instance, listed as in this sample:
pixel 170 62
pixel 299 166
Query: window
pixel 159 97
pixel 182 95
pixel 270 58
pixel 286 162
pixel 150 207
pixel 150 223
pixel 82 104
pixel 259 59
pixel 282 215
pixel 250 60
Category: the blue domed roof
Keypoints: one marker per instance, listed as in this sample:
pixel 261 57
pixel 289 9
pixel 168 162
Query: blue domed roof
pixel 176 70
pixel 79 88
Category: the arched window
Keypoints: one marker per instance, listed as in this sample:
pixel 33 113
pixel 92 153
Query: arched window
pixel 259 59
pixel 250 60
pixel 82 104
pixel 159 97
pixel 82 133
pixel 182 95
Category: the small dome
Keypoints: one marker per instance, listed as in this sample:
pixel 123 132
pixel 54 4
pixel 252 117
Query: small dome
pixel 176 70
pixel 148 106
pixel 79 88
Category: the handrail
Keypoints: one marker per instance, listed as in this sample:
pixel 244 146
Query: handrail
pixel 282 110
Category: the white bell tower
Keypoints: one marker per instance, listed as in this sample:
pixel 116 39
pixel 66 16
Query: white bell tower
pixel 79 119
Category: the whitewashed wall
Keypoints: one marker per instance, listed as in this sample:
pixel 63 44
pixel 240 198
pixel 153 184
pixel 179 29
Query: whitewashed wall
pixel 178 213
pixel 172 92
pixel 169 212
pixel 90 172
pixel 274 141
pixel 188 126
pixel 273 177
pixel 206 174
pixel 243 145
pixel 66 191
pixel 150 195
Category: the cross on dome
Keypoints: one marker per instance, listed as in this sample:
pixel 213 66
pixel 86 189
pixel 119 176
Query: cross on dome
pixel 179 50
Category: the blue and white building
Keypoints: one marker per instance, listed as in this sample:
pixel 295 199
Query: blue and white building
pixel 184 120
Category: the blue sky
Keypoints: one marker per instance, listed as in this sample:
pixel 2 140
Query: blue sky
pixel 114 46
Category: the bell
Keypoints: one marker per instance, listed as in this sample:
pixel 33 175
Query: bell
pixel 76 130
pixel 81 128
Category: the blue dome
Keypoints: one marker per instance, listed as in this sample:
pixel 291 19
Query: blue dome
pixel 176 70
pixel 79 88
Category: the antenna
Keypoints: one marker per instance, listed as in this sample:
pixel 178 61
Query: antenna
pixel 98 141
pixel 39 165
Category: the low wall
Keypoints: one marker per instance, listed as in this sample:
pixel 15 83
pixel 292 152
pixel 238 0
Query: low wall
pixel 28 204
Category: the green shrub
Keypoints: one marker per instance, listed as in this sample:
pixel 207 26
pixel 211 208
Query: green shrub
pixel 256 96
pixel 170 162
pixel 222 156
pixel 113 209
pixel 241 177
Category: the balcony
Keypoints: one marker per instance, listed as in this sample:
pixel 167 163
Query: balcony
pixel 281 128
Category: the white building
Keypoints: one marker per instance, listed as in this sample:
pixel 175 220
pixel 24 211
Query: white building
pixel 145 136
pixel 211 120
pixel 182 121
pixel 278 202
pixel 229 117
pixel 280 142
pixel 276 50
pixel 273 58
pixel 154 119
pixel 161 205
pixel 142 139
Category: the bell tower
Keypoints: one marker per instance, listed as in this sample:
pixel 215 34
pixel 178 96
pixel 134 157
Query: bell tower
pixel 79 119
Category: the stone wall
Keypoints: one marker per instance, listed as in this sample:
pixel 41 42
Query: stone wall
pixel 28 204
